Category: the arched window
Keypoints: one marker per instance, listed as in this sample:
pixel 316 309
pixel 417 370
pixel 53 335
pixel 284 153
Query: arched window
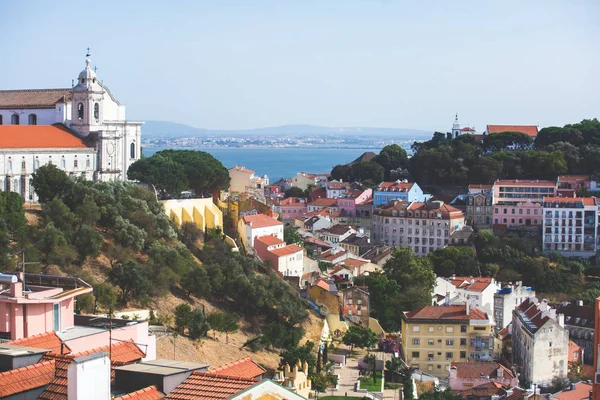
pixel 9 165
pixel 32 119
pixel 96 111
pixel 14 119
pixel 80 111
pixel 132 150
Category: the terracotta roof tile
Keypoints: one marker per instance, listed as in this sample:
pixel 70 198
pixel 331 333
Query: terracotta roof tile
pixel 529 130
pixel 581 392
pixel 446 313
pixel 395 186
pixel 48 340
pixel 323 202
pixel 269 240
pixel 147 393
pixel 352 262
pixel 26 378
pixel 34 98
pixel 480 186
pixel 244 368
pixel 488 389
pixel 472 370
pixel 39 137
pixel 261 221
pixel 287 250
pixel 479 284
pixel 527 183
pixel 208 386
pixel 573 178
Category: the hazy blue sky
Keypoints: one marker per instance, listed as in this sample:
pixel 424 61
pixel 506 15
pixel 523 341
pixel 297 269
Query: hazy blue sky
pixel 243 64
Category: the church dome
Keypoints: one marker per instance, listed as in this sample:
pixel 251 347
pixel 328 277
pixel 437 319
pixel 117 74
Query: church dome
pixel 87 80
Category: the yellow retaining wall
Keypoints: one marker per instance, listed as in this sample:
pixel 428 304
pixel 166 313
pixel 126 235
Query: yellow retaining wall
pixel 203 212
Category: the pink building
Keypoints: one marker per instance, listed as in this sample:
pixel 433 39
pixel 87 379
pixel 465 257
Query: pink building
pixel 348 201
pixel 518 203
pixel 288 260
pixel 291 208
pixel 40 304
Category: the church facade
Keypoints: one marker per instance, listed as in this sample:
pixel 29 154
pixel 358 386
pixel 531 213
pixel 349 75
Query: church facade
pixel 81 130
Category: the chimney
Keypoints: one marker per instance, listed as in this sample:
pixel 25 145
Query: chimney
pixel 467 305
pixel 16 289
pixel 89 377
pixel 561 320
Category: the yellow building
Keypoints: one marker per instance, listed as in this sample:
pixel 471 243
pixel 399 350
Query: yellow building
pixel 434 336
pixel 203 212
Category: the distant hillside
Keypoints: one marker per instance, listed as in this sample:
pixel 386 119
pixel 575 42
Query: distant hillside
pixel 173 130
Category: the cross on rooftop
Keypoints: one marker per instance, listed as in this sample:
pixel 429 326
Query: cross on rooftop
pixel 88 52
pixel 95 68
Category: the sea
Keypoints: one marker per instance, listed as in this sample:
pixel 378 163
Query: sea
pixel 280 162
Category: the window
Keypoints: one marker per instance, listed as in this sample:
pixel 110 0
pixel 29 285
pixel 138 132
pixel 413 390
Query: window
pixel 0 119
pixel 430 342
pixel 463 328
pixel 80 111
pixel 56 316
pixel 449 342
pixel 416 341
pixel 14 119
pixel 75 163
pixel 449 355
pixel 463 342
pixel 132 150
pixel 415 354
pixel 23 164
pixel 550 344
pixel 96 111
pixel 449 329
pixel 32 119
pixel 463 354
pixel 431 329
pixel 416 329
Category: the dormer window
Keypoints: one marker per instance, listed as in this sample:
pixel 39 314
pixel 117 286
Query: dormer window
pixel 80 111
pixel 32 119
pixel 96 111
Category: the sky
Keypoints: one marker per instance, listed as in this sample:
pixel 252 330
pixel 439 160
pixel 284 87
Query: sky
pixel 226 64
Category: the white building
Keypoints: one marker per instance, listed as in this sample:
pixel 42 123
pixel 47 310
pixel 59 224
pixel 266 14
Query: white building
pixel 540 342
pixel 570 226
pixel 82 130
pixel 457 130
pixel 478 291
pixel 285 259
pixel 335 189
pixel 506 300
pixel 424 227
pixel 252 226
pixel 336 233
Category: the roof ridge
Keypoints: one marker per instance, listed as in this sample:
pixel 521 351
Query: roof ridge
pixel 34 90
pixel 231 377
pixel 27 367
pixel 231 364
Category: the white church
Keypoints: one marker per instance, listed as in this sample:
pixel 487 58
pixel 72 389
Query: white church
pixel 81 130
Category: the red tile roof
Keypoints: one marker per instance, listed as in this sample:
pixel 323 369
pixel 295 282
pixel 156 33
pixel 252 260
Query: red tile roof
pixel 395 186
pixel 287 250
pixel 521 182
pixel 480 186
pixel 472 370
pixel 334 185
pixel 323 202
pixel 34 98
pixel 479 284
pixel 244 368
pixel 573 178
pixel 269 240
pixel 292 201
pixel 352 262
pixel 446 313
pixel 48 340
pixel 445 208
pixel 208 386
pixel 261 221
pixel 581 392
pixel 121 353
pixel 148 393
pixel 529 130
pixel 486 390
pixel 57 389
pixel 39 137
pixel 588 201
pixel 26 378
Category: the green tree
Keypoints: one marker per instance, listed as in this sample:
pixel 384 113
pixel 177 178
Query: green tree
pixel 439 394
pixel 360 337
pixel 319 382
pixel 166 175
pixel 384 299
pixel 294 191
pixel 291 236
pixel 57 213
pixel 50 182
pixel 131 280
pixel 341 172
pixel 106 297
pixel 12 213
pixel 391 158
pixel 88 242
pixel 183 316
pixel 189 233
pixel 198 326
pixel 367 172
pixel 197 282
pixel 414 275
pixel 304 353
pixel 223 323
pixel 88 212
pixel 454 260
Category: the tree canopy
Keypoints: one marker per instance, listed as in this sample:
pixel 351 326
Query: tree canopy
pixel 172 171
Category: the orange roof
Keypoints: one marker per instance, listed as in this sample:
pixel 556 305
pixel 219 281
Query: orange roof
pixel 324 212
pixel 479 284
pixel 291 201
pixel 323 202
pixel 120 353
pixel 287 250
pixel 587 201
pixel 39 137
pixel 573 178
pixel 261 221
pixel 529 130
pixel 474 370
pixel 148 393
pixel 581 391
pixel 26 378
pixel 244 368
pixel 446 313
pixel 208 386
pixel 57 389
pixel 269 240
pixel 48 340
pixel 395 186
pixel 242 169
pixel 521 182
pixel 34 98
pixel 480 186
pixel 352 262
pixel 423 206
